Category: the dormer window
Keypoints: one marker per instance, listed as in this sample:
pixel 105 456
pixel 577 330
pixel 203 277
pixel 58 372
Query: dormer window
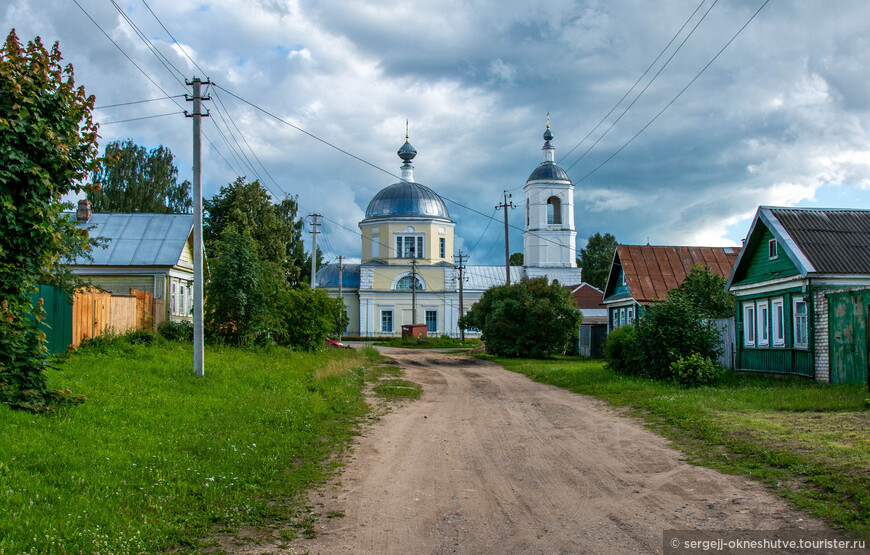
pixel 772 250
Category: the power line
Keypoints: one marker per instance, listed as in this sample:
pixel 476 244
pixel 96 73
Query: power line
pixel 635 83
pixel 166 62
pixel 627 108
pixel 176 42
pixel 138 119
pixel 668 105
pixel 137 102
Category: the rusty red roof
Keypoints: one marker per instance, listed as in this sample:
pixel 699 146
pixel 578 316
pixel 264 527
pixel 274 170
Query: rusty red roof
pixel 586 296
pixel 652 271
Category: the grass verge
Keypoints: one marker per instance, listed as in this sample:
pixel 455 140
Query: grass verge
pixel 397 389
pixel 156 458
pixel 810 441
pixel 429 343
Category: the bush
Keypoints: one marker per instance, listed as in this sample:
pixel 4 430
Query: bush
pixel 695 371
pixel 669 331
pixel 529 319
pixel 176 331
pixel 619 351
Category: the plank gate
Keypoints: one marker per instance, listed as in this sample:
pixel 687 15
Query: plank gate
pixel 95 313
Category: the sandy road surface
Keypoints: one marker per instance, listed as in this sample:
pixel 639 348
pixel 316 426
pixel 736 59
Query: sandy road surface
pixel 488 461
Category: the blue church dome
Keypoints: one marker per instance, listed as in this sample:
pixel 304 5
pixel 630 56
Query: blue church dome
pixel 550 172
pixel 407 199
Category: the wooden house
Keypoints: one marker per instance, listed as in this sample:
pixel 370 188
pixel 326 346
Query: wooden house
pixel 593 329
pixel 640 274
pixel 802 288
pixel 144 252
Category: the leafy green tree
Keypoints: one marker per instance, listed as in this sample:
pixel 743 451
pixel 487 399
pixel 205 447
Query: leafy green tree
pixel 516 259
pixel 236 306
pixel 531 319
pixel 668 331
pixel 275 228
pixel 706 292
pixel 133 179
pixel 48 145
pixel 595 259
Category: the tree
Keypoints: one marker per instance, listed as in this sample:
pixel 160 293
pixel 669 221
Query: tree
pixel 706 292
pixel 275 228
pixel 516 259
pixel 48 145
pixel 133 179
pixel 595 259
pixel 235 295
pixel 531 319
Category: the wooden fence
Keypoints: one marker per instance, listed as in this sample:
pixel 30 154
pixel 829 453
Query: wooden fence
pixel 95 313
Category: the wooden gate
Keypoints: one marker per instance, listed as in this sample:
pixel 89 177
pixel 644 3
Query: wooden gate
pixel 726 328
pixel 847 333
pixel 144 309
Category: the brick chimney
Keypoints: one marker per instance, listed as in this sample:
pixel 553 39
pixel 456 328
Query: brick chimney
pixel 83 214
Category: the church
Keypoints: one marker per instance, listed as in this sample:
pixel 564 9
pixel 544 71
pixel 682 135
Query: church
pixel 407 235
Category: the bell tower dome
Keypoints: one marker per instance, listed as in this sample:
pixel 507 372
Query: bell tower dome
pixel 550 239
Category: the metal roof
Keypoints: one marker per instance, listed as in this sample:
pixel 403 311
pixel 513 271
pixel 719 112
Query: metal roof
pixel 406 199
pixel 483 277
pixel 586 296
pixel 137 239
pixel 652 271
pixel 327 276
pixel 834 241
pixel 549 171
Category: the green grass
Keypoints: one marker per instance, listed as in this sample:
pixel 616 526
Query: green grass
pixel 397 389
pixel 810 441
pixel 429 343
pixel 156 458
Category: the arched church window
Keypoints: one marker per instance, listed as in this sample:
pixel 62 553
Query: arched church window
pixel 554 210
pixel 406 281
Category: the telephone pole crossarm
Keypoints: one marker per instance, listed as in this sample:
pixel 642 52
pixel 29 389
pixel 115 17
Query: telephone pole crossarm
pixel 507 250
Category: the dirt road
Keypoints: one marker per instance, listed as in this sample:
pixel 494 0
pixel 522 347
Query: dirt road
pixel 488 461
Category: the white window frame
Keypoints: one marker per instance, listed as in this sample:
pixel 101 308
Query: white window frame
pixel 629 315
pixel 442 247
pixel 797 323
pixel 622 319
pixel 392 321
pixel 749 324
pixel 778 320
pixel 426 314
pixel 762 315
pixel 772 249
pixel 173 295
pixel 615 319
pixel 404 240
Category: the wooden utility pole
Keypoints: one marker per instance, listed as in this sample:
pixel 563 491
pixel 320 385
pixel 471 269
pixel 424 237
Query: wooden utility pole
pixel 198 335
pixel 413 290
pixel 460 267
pixel 507 249
pixel 340 296
pixel 314 233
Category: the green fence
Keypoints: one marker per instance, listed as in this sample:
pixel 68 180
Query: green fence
pixel 58 317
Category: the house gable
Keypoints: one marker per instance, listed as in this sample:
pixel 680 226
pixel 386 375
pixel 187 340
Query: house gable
pixel 616 287
pixel 755 264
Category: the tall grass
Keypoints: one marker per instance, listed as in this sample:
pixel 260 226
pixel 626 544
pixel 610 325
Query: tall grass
pixel 156 458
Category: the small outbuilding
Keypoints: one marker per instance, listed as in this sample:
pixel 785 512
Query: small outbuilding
pixel 802 289
pixel 593 329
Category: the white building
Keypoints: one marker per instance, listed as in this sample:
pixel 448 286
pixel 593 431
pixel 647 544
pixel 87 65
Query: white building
pixel 407 231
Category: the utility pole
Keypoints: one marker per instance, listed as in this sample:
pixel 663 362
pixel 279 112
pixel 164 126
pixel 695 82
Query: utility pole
pixel 198 335
pixel 413 290
pixel 340 319
pixel 507 249
pixel 460 267
pixel 314 233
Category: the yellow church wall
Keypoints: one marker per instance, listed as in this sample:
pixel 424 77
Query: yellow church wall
pixel 386 232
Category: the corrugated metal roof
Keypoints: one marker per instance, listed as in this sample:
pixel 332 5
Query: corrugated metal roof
pixel 138 239
pixel 483 277
pixel 652 271
pixel 327 276
pixel 835 241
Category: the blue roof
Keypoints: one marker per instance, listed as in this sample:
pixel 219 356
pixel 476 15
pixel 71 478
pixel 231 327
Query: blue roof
pixel 137 239
pixel 549 171
pixel 327 276
pixel 407 199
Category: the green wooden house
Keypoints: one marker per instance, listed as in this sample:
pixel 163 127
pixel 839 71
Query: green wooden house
pixel 640 274
pixel 802 288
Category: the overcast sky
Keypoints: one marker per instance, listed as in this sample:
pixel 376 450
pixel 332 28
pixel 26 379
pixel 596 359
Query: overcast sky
pixel 780 117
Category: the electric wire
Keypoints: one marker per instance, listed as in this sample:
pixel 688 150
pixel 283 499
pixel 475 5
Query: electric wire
pixel 627 108
pixel 166 62
pixel 141 118
pixel 174 40
pixel 136 102
pixel 679 94
pixel 639 79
